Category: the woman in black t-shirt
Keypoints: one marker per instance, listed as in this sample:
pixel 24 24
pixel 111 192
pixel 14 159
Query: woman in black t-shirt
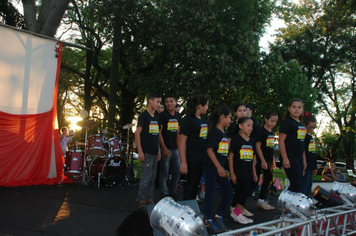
pixel 265 151
pixel 193 143
pixel 291 144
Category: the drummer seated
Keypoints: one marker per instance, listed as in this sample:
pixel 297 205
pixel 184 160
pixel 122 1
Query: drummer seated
pixel 332 173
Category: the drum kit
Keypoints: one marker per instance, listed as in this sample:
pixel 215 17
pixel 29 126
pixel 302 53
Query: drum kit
pixel 100 160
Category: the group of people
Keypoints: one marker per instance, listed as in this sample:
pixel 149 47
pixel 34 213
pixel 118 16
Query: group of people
pixel 230 153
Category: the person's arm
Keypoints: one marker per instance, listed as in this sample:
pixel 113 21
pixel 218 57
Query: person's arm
pixel 231 168
pixel 260 154
pixel 140 153
pixel 282 149
pixel 165 150
pixel 304 162
pixel 254 173
pixel 221 170
pixel 183 152
pixel 326 177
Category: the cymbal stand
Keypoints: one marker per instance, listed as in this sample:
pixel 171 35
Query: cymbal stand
pixel 85 157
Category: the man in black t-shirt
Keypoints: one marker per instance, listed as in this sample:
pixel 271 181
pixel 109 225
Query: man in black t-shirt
pixel 170 161
pixel 147 140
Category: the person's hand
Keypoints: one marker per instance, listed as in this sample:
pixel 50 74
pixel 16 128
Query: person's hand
pixel 183 168
pixel 159 156
pixel 286 163
pixel 141 156
pixel 166 153
pixel 264 165
pixel 233 178
pixel 254 177
pixel 222 172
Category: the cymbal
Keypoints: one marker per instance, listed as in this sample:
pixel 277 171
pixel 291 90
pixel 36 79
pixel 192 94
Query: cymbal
pixel 87 123
pixel 128 126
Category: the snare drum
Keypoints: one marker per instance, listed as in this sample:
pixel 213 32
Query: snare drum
pixel 74 163
pixel 115 146
pixel 112 170
pixel 96 145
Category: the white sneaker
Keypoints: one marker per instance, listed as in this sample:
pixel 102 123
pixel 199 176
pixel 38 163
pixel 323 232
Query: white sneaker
pixel 245 212
pixel 264 205
pixel 240 218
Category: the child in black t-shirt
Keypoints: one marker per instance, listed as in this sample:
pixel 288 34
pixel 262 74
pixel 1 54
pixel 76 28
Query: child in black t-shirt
pixel 265 152
pixel 147 140
pixel 193 143
pixel 242 169
pixel 310 155
pixel 170 161
pixel 218 147
pixel 291 144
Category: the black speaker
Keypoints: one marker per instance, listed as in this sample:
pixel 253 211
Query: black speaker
pixel 325 199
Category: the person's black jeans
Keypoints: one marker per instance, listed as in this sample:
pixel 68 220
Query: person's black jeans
pixel 242 191
pixel 294 174
pixel 193 178
pixel 267 178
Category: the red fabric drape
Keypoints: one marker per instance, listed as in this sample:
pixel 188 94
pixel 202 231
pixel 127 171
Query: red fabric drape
pixel 26 146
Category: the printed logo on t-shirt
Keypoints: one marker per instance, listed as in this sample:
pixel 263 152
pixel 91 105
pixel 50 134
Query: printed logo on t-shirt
pixel 153 128
pixel 311 146
pixel 270 141
pixel 172 125
pixel 302 132
pixel 246 153
pixel 203 131
pixel 223 146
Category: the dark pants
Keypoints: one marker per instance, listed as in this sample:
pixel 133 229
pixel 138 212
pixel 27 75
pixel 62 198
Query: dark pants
pixel 242 191
pixel 267 178
pixel 294 174
pixel 193 178
pixel 212 177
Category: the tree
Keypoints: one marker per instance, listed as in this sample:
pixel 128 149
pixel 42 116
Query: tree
pixel 320 37
pixel 44 17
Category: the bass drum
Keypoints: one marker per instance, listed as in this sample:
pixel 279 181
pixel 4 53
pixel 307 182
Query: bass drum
pixel 111 170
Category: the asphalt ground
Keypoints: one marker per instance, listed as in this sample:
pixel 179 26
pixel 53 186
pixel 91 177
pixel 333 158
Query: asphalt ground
pixel 78 209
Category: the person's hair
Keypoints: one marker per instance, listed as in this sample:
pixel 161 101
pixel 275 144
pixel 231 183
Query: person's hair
pixel 64 127
pixel 309 118
pixel 269 114
pixel 240 122
pixel 170 96
pixel 236 107
pixel 248 106
pixel 214 118
pixel 195 101
pixel 287 113
pixel 153 96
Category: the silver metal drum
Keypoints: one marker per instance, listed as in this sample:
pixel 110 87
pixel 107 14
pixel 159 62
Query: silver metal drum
pixel 345 189
pixel 295 203
pixel 174 219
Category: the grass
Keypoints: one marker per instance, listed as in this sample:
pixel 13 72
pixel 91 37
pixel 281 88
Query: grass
pixel 277 173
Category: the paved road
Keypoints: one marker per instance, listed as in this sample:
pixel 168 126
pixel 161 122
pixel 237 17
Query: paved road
pixel 73 209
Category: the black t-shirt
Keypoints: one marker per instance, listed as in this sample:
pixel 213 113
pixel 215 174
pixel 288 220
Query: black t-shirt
pixel 169 124
pixel 197 132
pixel 218 141
pixel 310 152
pixel 267 143
pixel 243 156
pixel 296 133
pixel 255 128
pixel 230 129
pixel 150 132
